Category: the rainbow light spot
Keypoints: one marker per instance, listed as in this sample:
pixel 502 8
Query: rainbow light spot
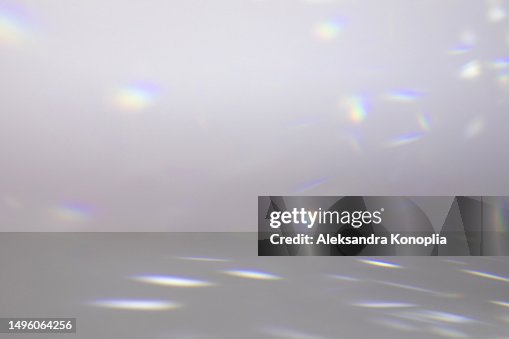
pixel 471 70
pixel 419 289
pixel 250 274
pixel 445 317
pixel 355 106
pixel 460 49
pixel 500 303
pixel 503 79
pixel 404 140
pixel 379 263
pixel 486 275
pixel 500 63
pixel 435 317
pixel 383 304
pixel 135 97
pixel 424 122
pixel 404 95
pixel 172 281
pixel 454 261
pixel 72 212
pixel 136 305
pixel 328 30
pixel 311 185
pixel 343 277
pixel 500 217
pixel 12 27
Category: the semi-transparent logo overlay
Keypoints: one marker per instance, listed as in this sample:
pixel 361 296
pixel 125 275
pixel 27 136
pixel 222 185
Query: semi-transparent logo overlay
pixel 385 226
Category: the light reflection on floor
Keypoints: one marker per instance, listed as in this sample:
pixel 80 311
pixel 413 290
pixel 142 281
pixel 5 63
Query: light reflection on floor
pixel 102 280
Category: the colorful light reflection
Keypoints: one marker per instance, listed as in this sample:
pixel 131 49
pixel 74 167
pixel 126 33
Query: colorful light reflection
pixel 355 107
pixel 72 212
pixel 328 30
pixel 135 97
pixel 13 28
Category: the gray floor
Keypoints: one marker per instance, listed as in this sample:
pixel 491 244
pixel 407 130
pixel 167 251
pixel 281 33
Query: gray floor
pixel 87 275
